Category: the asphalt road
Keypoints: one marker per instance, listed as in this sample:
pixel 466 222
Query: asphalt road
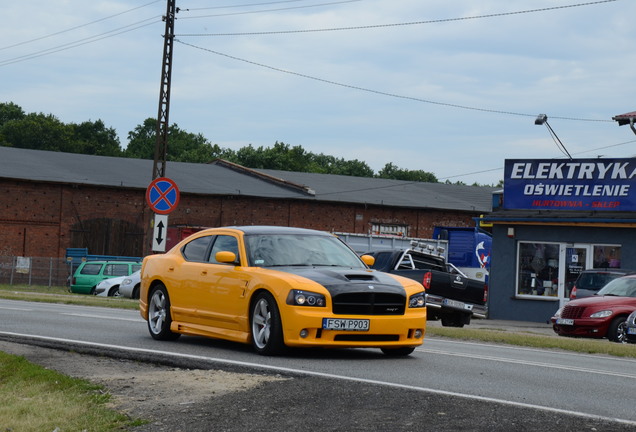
pixel 445 385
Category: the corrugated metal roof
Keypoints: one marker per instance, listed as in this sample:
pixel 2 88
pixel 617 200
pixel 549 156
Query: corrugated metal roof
pixel 222 179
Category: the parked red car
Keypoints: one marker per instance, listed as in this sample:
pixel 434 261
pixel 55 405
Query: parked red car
pixel 601 315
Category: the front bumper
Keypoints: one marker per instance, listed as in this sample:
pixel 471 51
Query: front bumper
pixel 302 327
pixel 582 327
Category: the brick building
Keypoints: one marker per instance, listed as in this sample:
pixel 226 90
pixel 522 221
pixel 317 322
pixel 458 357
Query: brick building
pixel 52 201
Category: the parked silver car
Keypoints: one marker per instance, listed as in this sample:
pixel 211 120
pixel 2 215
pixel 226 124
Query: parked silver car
pixel 630 328
pixel 129 287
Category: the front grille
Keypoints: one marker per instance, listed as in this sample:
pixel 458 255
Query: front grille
pixel 369 303
pixel 572 312
pixel 366 338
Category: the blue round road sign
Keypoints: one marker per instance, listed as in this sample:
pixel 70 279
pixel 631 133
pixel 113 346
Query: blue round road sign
pixel 162 195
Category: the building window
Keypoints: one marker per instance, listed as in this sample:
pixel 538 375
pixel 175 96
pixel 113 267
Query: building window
pixel 549 270
pixel 538 269
pixel 390 230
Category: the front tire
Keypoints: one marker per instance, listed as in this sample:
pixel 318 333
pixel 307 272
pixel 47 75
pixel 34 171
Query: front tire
pixel 267 332
pixel 114 291
pixel 398 352
pixel 159 318
pixel 617 329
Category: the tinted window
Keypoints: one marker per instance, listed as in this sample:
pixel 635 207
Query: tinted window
pixel 196 249
pixel 224 243
pixel 136 267
pixel 91 269
pixel 116 270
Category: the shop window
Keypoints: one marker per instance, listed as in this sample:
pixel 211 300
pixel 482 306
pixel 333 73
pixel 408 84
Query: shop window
pixel 549 270
pixel 607 256
pixel 538 269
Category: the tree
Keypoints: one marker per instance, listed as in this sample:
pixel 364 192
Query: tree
pixel 10 111
pixel 182 146
pixel 39 132
pixel 390 171
pixel 94 138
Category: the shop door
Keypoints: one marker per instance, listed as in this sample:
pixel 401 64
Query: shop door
pixel 574 258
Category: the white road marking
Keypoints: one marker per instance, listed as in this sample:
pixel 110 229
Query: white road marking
pixel 333 376
pixel 17 309
pixel 103 317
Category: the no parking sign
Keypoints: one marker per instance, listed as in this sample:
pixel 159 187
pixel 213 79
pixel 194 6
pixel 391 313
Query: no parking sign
pixel 162 195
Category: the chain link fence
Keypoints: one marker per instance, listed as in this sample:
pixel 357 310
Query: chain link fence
pixel 39 271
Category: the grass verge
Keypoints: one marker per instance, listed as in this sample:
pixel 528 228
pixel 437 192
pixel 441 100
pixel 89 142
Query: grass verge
pixel 59 294
pixel 36 399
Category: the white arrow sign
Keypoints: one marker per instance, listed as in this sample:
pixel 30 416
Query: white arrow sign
pixel 160 233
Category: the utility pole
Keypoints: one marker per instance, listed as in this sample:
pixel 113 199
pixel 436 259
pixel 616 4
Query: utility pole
pixel 161 146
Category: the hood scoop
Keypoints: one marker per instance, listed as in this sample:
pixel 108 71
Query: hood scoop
pixel 360 277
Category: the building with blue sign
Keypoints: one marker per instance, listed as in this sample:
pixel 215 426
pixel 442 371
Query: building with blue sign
pixel 554 219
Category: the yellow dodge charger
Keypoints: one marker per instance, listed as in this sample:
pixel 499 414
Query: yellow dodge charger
pixel 277 287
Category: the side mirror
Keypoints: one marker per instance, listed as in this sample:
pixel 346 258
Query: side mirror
pixel 368 260
pixel 226 257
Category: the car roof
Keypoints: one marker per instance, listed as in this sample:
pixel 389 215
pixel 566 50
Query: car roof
pixel 270 229
pixel 609 270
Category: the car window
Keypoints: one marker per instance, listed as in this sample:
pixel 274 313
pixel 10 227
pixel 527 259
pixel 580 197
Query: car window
pixel 91 269
pixel 116 270
pixel 223 243
pixel 136 267
pixel 624 287
pixel 294 250
pixel 196 249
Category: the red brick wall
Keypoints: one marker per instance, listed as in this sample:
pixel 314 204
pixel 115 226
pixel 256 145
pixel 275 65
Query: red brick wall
pixel 38 219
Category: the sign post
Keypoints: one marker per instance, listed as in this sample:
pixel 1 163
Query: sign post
pixel 163 197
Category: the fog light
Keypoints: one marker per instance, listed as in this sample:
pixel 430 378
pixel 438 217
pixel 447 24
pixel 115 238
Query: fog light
pixel 304 333
pixel 418 334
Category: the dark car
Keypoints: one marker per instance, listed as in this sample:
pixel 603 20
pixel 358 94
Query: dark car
pixel 601 315
pixel 630 328
pixel 590 281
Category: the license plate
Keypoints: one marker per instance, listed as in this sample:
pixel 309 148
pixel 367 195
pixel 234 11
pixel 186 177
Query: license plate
pixel 457 304
pixel 631 330
pixel 345 324
pixel 565 321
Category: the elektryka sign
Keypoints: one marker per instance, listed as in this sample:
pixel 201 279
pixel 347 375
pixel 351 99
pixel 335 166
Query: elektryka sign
pixel 570 184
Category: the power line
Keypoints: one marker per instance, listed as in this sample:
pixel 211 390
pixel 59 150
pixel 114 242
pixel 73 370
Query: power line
pixel 81 42
pixel 77 27
pixel 365 27
pixel 276 10
pixel 378 92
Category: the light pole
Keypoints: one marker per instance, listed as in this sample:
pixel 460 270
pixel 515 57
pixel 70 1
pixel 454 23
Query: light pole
pixel 543 119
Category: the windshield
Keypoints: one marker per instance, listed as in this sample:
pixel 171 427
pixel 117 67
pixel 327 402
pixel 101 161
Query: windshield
pixel 623 286
pixel 275 250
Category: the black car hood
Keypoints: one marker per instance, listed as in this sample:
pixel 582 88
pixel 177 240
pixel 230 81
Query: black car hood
pixel 345 279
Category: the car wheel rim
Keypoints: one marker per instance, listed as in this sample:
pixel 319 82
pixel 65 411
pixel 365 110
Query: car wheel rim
pixel 620 333
pixel 157 312
pixel 261 323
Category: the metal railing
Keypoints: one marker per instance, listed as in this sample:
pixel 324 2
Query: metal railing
pixel 41 271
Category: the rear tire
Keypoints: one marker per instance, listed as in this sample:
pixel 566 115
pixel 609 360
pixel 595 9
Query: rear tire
pixel 617 329
pixel 267 331
pixel 159 318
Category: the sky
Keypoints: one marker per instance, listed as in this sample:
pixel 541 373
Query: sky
pixel 451 88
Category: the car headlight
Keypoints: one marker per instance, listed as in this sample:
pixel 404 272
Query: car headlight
pixel 557 314
pixel 126 281
pixel 601 314
pixel 306 298
pixel 417 300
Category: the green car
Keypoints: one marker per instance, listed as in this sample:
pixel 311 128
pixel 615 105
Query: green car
pixel 90 273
